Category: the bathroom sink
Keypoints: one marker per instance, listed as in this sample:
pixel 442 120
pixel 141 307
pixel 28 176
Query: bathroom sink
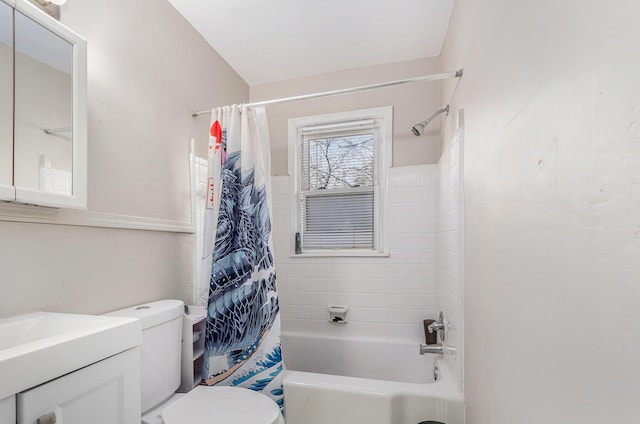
pixel 38 347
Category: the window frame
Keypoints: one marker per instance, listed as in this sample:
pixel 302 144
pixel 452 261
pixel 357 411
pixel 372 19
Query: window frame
pixel 383 121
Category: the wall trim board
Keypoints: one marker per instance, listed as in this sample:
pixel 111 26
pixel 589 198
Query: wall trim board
pixel 53 216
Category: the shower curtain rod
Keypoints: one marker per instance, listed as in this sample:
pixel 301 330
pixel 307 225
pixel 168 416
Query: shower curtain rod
pixel 434 77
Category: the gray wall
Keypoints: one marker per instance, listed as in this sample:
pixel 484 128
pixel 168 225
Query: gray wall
pixel 552 204
pixel 147 70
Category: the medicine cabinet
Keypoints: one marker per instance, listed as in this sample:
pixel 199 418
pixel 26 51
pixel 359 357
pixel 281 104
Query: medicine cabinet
pixel 43 109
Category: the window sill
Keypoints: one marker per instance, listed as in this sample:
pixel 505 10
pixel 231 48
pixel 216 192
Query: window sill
pixel 340 254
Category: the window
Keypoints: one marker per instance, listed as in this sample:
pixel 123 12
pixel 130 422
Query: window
pixel 338 168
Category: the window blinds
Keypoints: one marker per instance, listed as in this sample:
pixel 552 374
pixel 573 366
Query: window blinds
pixel 338 221
pixel 337 183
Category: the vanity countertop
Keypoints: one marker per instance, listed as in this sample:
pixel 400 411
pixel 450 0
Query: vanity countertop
pixel 41 346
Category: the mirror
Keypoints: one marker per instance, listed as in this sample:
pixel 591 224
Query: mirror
pixel 43 110
pixel 6 101
pixel 43 117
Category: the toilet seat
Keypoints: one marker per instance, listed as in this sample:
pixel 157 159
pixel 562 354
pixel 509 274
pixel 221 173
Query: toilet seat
pixel 233 405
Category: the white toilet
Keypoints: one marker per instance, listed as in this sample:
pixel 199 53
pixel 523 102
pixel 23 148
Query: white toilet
pixel 160 365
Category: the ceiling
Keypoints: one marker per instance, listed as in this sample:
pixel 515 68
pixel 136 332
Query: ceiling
pixel 273 40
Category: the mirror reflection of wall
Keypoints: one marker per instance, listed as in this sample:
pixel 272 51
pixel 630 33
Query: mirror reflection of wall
pixel 6 95
pixel 43 100
pixel 51 8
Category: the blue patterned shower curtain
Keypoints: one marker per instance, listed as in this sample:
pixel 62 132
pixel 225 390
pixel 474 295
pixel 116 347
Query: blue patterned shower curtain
pixel 242 345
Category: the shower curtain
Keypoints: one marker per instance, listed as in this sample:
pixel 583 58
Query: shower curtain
pixel 242 345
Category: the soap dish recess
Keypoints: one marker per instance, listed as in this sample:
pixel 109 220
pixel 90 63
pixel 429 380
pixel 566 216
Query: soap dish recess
pixel 338 314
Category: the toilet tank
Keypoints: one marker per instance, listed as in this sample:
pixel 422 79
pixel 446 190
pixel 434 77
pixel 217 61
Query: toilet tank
pixel 161 347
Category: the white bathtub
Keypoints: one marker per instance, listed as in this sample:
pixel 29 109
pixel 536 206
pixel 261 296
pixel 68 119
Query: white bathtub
pixel 341 381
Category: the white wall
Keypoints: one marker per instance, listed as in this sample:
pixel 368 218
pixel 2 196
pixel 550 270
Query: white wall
pixel 450 251
pixel 552 200
pixel 412 103
pixel 388 297
pixel 147 69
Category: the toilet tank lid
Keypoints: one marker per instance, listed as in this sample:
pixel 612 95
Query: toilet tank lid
pixel 153 313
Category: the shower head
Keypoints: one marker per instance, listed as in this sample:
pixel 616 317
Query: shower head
pixel 418 129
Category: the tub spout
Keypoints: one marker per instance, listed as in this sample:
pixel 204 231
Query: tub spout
pixel 431 348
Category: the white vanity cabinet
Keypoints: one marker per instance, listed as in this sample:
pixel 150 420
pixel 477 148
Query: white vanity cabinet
pixel 107 392
pixel 69 369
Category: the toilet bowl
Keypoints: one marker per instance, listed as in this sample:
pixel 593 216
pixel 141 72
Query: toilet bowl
pixel 160 377
pixel 222 404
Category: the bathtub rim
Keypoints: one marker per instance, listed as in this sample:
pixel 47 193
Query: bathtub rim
pixel 443 389
pixel 412 345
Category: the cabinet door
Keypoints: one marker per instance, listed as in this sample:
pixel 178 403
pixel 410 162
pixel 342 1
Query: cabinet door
pixel 107 392
pixel 8 410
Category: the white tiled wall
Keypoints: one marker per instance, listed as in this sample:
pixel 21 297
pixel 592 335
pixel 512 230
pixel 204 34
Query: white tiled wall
pixel 388 297
pixel 449 251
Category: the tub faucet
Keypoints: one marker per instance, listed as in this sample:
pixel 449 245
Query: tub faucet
pixel 439 326
pixel 435 326
pixel 431 348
